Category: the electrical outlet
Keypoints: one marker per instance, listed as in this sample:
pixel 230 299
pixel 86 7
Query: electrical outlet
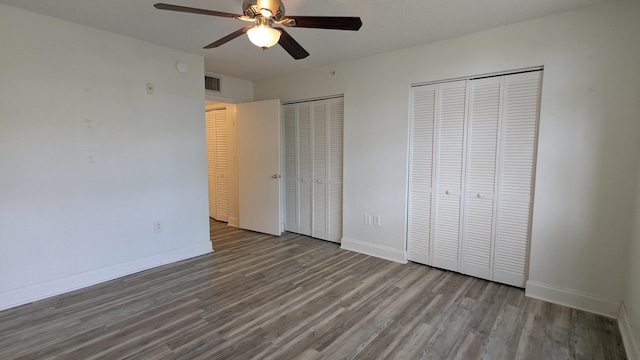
pixel 376 220
pixel 149 89
pixel 367 219
pixel 157 226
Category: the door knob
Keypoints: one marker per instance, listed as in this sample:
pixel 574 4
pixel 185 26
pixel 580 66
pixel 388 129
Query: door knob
pixel 480 196
pixel 447 192
pixel 275 176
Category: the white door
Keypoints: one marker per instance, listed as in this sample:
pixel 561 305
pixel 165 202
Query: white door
pixel 313 148
pixel 290 174
pixel 423 114
pixel 258 125
pixel 516 179
pixel 482 152
pixel 451 100
pixel 335 145
pixel 305 159
pixel 319 212
pixel 211 164
pixel 222 164
pixel 478 155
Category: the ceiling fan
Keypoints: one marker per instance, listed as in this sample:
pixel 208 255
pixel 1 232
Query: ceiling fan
pixel 264 14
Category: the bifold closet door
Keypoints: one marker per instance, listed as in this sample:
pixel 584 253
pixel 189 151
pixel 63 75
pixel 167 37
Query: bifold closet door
pixel 320 161
pixel 298 168
pixel 471 175
pixel 335 147
pixel 482 146
pixel 211 163
pixel 222 164
pixel 423 108
pixel 305 169
pixel 450 146
pixel 519 128
pixel 218 163
pixel 313 147
pixel 291 216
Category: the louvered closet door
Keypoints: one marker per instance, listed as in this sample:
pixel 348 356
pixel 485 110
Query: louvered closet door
pixel 450 120
pixel 304 168
pixel 211 163
pixel 313 148
pixel 518 154
pixel 482 145
pixel 290 169
pixel 335 167
pixel 420 173
pixel 222 164
pixel 320 159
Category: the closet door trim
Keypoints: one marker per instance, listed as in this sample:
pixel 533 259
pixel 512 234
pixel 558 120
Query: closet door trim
pixel 481 76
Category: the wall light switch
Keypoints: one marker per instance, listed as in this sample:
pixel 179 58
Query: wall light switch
pixel 376 220
pixel 367 219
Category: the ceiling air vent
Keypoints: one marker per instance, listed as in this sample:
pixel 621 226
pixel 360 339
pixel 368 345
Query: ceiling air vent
pixel 212 83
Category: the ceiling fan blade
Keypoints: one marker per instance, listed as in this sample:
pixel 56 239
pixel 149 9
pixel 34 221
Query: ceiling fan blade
pixel 228 38
pixel 291 46
pixel 324 22
pixel 162 6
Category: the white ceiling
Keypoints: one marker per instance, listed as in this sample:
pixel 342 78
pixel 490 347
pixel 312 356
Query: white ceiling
pixel 387 25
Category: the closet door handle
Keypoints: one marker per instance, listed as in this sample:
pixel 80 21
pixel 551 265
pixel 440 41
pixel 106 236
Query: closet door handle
pixel 448 192
pixel 480 196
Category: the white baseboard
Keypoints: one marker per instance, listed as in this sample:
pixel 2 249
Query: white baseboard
pixel 572 299
pixel 628 337
pixel 380 251
pixel 16 297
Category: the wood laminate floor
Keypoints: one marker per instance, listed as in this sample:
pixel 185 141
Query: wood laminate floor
pixel 260 296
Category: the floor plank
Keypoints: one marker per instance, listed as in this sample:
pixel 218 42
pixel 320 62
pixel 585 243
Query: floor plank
pixel 260 296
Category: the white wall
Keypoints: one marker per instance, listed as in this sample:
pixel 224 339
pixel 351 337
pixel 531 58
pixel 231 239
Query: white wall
pixel 588 142
pixel 88 160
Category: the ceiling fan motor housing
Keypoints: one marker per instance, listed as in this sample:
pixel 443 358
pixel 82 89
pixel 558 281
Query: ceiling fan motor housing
pixel 273 9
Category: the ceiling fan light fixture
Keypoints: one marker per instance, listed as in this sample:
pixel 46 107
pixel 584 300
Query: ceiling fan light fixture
pixel 263 36
pixel 266 13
